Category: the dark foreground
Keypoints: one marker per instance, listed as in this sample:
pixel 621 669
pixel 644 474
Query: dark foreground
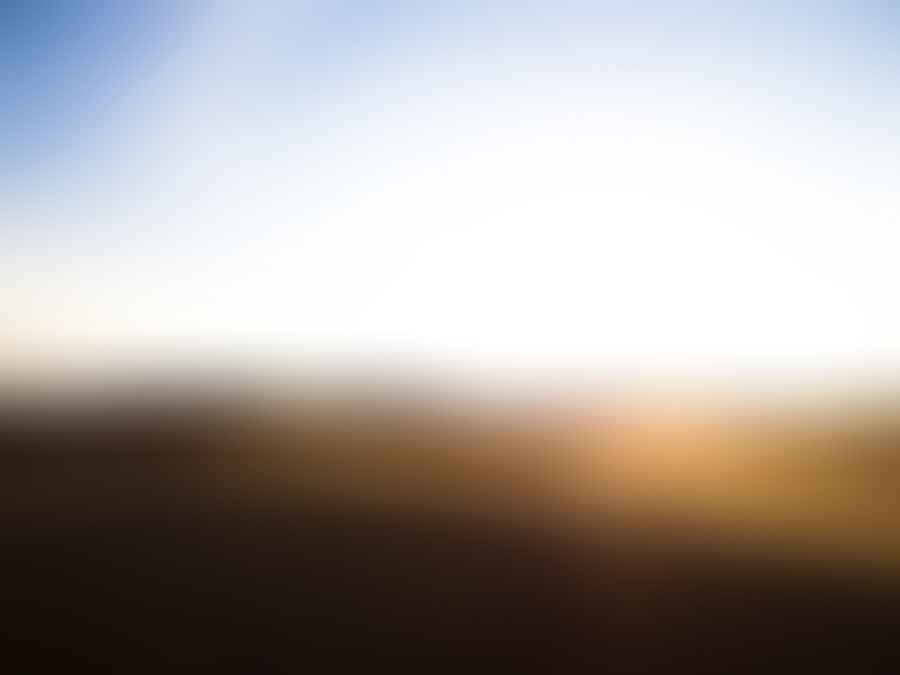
pixel 179 592
pixel 113 563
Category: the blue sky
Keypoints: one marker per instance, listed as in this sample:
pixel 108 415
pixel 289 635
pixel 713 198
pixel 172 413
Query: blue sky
pixel 523 185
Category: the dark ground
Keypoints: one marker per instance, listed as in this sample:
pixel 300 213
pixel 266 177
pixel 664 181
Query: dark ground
pixel 111 565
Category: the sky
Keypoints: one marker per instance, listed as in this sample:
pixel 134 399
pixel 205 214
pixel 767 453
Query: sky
pixel 493 186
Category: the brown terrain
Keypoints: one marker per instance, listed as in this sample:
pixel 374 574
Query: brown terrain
pixel 174 533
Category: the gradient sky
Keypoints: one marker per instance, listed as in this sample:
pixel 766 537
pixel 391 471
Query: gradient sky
pixel 484 184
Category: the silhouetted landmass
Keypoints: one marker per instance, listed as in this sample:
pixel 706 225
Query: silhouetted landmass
pixel 199 534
